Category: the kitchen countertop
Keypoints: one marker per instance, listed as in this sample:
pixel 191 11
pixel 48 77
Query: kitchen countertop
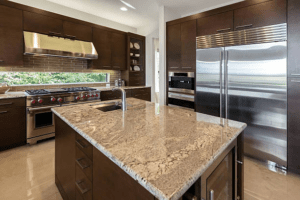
pixel 166 149
pixel 10 95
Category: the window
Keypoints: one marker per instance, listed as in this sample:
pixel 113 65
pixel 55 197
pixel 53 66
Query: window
pixel 29 78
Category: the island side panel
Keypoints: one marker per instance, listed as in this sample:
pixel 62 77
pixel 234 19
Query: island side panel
pixel 64 159
pixel 111 182
pixel 240 166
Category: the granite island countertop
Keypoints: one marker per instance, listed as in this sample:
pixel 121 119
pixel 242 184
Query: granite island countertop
pixel 166 149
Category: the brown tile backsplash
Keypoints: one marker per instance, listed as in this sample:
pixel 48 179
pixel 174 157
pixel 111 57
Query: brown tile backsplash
pixel 57 64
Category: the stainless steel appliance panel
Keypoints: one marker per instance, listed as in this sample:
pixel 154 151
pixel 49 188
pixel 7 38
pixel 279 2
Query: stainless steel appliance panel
pixel 209 79
pixel 257 95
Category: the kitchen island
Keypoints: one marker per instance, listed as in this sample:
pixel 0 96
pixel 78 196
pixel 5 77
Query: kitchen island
pixel 146 152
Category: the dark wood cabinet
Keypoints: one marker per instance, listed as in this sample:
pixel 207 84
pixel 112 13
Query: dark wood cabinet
pixel 11 18
pixel 188 45
pixel 141 93
pixel 293 38
pixel 64 158
pixel 77 31
pixel 118 51
pixel 293 136
pixel 39 23
pixel 174 47
pixel 13 123
pixel 102 43
pixel 219 23
pixel 263 14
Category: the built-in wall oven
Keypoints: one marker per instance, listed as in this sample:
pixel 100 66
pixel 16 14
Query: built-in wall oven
pixel 181 90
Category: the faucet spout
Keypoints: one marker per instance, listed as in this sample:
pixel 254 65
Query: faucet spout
pixel 124 104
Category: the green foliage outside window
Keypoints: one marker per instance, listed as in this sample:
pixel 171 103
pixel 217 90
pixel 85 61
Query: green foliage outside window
pixel 28 78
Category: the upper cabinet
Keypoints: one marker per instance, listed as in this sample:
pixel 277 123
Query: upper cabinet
pixel 174 47
pixel 111 49
pixel 11 36
pixel 263 14
pixel 77 31
pixel 118 49
pixel 215 24
pixel 38 23
pixel 188 45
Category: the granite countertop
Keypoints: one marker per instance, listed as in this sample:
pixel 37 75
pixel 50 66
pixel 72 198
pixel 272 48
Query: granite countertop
pixel 124 87
pixel 10 95
pixel 166 149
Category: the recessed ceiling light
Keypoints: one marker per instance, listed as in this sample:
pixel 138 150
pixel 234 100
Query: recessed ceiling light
pixel 127 4
pixel 124 9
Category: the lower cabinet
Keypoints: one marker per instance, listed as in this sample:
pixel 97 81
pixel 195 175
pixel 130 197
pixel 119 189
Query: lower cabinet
pixel 13 123
pixel 139 93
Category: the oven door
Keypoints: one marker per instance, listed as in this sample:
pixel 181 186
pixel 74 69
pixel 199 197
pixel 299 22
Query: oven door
pixel 40 121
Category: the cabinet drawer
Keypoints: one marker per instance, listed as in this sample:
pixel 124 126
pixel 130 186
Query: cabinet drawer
pixel 84 163
pixel 83 185
pixel 110 95
pixel 12 103
pixel 84 146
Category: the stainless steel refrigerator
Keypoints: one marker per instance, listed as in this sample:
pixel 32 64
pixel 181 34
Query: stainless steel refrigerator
pixel 248 83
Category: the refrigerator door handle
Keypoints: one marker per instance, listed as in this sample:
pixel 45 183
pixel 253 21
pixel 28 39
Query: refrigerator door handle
pixel 221 84
pixel 226 83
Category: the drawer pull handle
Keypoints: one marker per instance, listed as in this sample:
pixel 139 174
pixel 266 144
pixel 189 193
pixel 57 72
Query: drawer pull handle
pixel 81 145
pixel 239 162
pixel 3 112
pixel 244 26
pixel 80 165
pixel 5 104
pixel 225 29
pixel 1 60
pixel 83 191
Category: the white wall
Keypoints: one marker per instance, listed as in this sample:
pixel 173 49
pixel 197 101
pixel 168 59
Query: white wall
pixel 62 10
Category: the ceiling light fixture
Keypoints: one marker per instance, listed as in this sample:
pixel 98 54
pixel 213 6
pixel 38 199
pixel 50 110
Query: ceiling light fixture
pixel 127 4
pixel 124 9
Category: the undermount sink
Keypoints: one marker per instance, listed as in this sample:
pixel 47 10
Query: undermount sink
pixel 106 108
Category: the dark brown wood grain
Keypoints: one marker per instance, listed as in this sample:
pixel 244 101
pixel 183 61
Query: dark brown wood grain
pixel 102 43
pixel 38 23
pixel 13 123
pixel 263 14
pixel 81 32
pixel 219 23
pixel 65 157
pixel 11 18
pixel 111 182
pixel 118 51
pixel 174 47
pixel 188 46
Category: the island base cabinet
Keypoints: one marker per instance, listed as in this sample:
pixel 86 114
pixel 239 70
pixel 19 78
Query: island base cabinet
pixel 111 182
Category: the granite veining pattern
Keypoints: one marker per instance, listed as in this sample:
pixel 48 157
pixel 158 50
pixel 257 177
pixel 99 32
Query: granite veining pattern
pixel 166 149
pixel 10 95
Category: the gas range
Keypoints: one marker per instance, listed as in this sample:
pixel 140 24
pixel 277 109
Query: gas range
pixel 60 96
pixel 40 119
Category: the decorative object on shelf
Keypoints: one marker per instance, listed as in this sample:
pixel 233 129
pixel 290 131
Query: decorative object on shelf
pixel 131 45
pixel 131 54
pixel 137 55
pixel 137 68
pixel 136 45
pixel 134 62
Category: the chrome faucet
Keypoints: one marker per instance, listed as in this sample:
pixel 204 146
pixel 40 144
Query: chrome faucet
pixel 124 105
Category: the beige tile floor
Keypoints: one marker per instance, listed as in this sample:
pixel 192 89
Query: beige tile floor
pixel 27 173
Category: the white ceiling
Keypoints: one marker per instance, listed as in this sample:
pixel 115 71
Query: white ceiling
pixel 146 11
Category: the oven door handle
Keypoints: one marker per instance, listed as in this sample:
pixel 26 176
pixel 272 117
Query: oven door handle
pixel 40 108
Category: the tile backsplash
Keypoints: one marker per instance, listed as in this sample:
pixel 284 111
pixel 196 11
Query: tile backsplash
pixel 32 63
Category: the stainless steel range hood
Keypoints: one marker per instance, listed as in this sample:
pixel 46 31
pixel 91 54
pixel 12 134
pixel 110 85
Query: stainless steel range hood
pixel 39 44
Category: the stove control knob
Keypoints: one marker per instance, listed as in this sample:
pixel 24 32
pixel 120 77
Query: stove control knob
pixel 77 98
pixel 53 99
pixel 59 100
pixel 92 95
pixel 83 96
pixel 97 95
pixel 40 100
pixel 87 96
pixel 33 101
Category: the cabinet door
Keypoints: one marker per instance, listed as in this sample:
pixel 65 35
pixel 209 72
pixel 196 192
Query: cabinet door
pixel 293 124
pixel 293 38
pixel 188 46
pixel 215 24
pixel 174 47
pixel 11 18
pixel 79 31
pixel 38 23
pixel 263 14
pixel 102 43
pixel 118 51
pixel 11 48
